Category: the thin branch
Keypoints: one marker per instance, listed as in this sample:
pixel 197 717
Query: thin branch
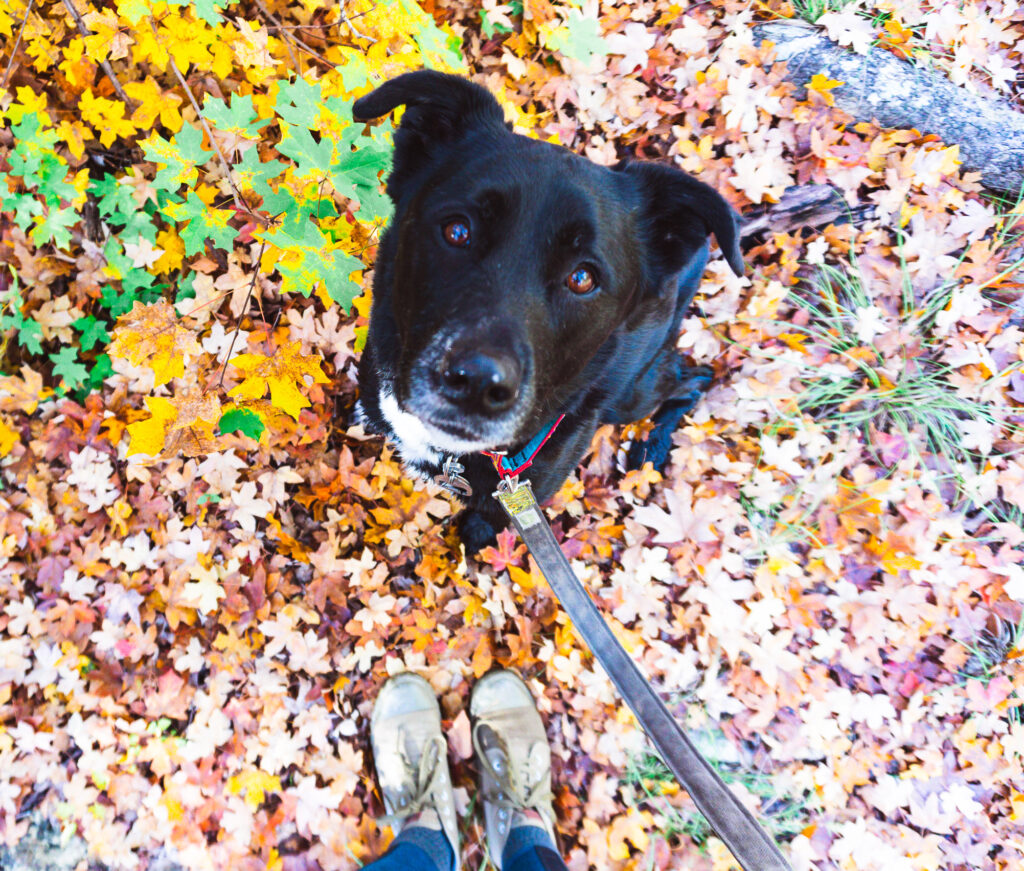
pixel 346 20
pixel 240 204
pixel 287 36
pixel 256 270
pixel 17 42
pixel 107 68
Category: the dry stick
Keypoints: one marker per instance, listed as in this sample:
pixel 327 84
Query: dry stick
pixel 238 326
pixel 107 68
pixel 287 37
pixel 235 195
pixel 240 204
pixel 17 42
pixel 348 22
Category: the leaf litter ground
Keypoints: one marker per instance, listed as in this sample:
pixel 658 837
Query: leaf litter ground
pixel 208 570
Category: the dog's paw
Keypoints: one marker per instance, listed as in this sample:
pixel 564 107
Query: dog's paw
pixel 476 532
pixel 655 449
pixel 695 379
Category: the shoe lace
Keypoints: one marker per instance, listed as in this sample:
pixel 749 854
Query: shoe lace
pixel 513 792
pixel 425 779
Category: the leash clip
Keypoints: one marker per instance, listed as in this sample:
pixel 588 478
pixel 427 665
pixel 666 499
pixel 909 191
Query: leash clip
pixel 451 478
pixel 507 484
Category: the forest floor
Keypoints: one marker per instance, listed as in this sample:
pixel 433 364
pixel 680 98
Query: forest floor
pixel 202 587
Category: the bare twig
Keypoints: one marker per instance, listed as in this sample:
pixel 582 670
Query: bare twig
pixel 240 204
pixel 286 36
pixel 17 42
pixel 107 68
pixel 346 20
pixel 256 271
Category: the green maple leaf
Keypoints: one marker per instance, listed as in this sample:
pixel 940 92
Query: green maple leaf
pixel 28 331
pixel 299 102
pixel 439 49
pixel 34 149
pixel 581 38
pixel 242 420
pixel 177 160
pixel 30 336
pixel 189 143
pixel 55 227
pixel 355 73
pixel 93 332
pixel 67 367
pixel 240 118
pixel 312 158
pixel 204 223
pixel 25 207
pixel 116 202
pixel 116 302
pixel 100 372
pixel 253 174
pixel 333 268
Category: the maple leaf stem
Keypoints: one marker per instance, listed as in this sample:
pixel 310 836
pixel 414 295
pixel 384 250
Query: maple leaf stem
pixel 17 42
pixel 201 306
pixel 107 68
pixel 248 296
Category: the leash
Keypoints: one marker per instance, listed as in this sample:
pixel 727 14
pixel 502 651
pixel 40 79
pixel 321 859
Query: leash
pixel 752 846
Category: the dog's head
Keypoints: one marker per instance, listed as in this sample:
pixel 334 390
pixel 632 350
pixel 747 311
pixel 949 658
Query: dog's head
pixel 511 261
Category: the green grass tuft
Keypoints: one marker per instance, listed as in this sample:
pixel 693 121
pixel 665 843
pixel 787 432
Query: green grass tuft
pixel 646 776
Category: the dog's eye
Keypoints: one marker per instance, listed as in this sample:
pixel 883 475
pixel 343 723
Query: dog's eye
pixel 581 280
pixel 456 233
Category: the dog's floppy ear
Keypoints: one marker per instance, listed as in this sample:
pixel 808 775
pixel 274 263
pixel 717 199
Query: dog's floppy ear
pixel 440 109
pixel 677 204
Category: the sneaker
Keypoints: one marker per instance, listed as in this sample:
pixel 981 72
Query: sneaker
pixel 411 757
pixel 513 758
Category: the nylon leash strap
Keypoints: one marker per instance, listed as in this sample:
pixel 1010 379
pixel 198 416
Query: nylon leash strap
pixel 752 846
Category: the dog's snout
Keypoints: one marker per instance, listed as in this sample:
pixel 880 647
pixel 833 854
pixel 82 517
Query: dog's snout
pixel 484 382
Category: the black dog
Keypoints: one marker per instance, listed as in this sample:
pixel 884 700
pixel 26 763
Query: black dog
pixel 519 282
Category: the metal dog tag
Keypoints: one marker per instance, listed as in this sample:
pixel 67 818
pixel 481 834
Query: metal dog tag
pixel 451 478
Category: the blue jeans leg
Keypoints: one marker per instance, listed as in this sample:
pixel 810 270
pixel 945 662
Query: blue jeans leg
pixel 529 848
pixel 417 848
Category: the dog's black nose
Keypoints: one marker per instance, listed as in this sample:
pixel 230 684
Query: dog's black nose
pixel 485 382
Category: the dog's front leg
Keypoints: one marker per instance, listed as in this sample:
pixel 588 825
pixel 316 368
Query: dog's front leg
pixel 691 383
pixel 479 525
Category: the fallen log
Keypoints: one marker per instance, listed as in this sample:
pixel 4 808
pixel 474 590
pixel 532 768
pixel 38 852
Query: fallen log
pixel 893 93
pixel 804 207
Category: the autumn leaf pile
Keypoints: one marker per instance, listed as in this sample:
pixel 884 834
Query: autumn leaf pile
pixel 207 570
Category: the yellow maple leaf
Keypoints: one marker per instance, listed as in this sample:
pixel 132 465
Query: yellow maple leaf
pixel 174 252
pixel 105 116
pixel 28 103
pixel 74 133
pixel 153 101
pixel 77 68
pixel 148 436
pixel 107 40
pixel 151 336
pixel 8 438
pixel 823 85
pixel 253 785
pixel 632 827
pixel 283 373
